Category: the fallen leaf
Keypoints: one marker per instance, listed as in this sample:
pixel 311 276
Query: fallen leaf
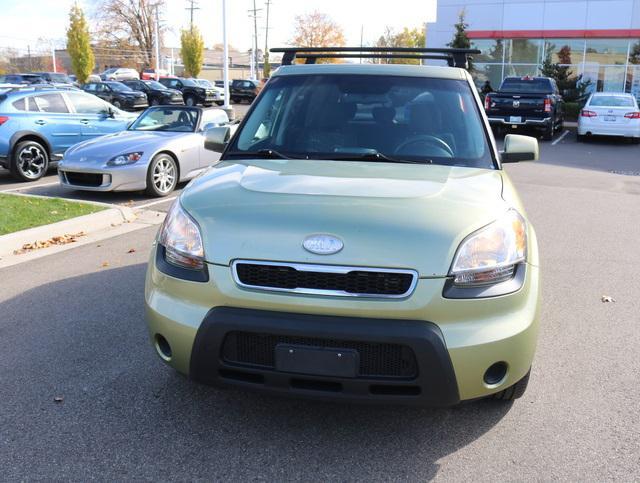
pixel 104 264
pixel 606 298
pixel 56 240
pixel 58 399
pixel 54 212
pixel 131 250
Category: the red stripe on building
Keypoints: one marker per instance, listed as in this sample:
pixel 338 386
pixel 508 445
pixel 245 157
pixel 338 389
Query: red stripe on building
pixel 554 34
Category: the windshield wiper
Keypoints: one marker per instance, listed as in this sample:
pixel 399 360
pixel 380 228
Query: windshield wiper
pixel 373 155
pixel 261 153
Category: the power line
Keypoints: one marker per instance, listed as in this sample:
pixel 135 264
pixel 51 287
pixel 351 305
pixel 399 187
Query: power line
pixel 253 13
pixel 193 6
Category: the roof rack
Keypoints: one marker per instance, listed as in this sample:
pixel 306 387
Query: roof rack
pixel 453 57
pixel 39 87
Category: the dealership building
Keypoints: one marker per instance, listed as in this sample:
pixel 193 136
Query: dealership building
pixel 598 39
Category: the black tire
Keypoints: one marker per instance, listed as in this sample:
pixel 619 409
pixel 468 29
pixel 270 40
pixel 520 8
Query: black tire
pixel 549 133
pixel 190 101
pixel 155 102
pixel 235 100
pixel 162 162
pixel 117 104
pixel 30 161
pixel 514 392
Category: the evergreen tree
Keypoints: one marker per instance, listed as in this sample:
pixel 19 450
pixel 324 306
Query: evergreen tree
pixel 460 39
pixel 79 44
pixel 192 51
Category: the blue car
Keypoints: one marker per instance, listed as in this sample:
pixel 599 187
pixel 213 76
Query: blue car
pixel 37 125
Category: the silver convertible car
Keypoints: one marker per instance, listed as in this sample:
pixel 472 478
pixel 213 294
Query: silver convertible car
pixel 161 148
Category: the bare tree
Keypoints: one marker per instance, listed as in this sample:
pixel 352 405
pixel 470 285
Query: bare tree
pixel 132 23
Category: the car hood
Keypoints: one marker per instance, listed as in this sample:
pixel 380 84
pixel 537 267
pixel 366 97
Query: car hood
pixel 106 147
pixel 387 215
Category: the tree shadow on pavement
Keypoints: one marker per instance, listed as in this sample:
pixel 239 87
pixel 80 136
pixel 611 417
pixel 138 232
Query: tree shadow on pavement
pixel 125 415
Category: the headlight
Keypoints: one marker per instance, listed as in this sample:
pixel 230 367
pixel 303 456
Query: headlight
pixel 181 239
pixel 123 159
pixel 490 255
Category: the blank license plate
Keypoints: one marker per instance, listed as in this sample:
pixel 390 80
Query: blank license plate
pixel 515 119
pixel 610 118
pixel 317 361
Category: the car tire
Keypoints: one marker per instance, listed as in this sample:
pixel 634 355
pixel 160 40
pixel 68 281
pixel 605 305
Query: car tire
pixel 514 392
pixel 162 175
pixel 235 100
pixel 117 104
pixel 155 102
pixel 190 101
pixel 549 133
pixel 581 138
pixel 30 161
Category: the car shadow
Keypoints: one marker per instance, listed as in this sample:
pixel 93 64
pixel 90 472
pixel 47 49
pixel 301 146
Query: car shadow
pixel 122 413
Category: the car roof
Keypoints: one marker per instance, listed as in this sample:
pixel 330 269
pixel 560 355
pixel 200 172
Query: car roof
pixel 407 70
pixel 618 94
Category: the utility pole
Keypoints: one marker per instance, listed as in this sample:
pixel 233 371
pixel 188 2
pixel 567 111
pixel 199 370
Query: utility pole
pixel 267 66
pixel 157 42
pixel 225 62
pixel 254 13
pixel 193 6
pixel 53 56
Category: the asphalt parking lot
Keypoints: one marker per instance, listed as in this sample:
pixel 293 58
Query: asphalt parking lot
pixel 73 329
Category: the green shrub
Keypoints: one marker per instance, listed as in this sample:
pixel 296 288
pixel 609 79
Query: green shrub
pixel 572 111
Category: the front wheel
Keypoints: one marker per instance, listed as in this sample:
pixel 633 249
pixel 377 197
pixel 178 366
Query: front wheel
pixel 162 176
pixel 190 101
pixel 549 132
pixel 514 392
pixel 155 102
pixel 117 104
pixel 30 161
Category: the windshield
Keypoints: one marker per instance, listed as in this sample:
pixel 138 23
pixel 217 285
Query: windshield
pixel 163 119
pixel 204 82
pixel 542 86
pixel 59 78
pixel 120 87
pixel 155 85
pixel 347 117
pixel 189 82
pixel 612 101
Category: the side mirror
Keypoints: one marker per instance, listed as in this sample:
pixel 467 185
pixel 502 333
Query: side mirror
pixel 110 112
pixel 216 138
pixel 519 148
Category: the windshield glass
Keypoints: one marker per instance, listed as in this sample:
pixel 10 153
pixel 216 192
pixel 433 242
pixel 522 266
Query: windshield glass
pixel 542 86
pixel 120 87
pixel 155 85
pixel 410 119
pixel 204 83
pixel 189 82
pixel 611 101
pixel 59 78
pixel 163 119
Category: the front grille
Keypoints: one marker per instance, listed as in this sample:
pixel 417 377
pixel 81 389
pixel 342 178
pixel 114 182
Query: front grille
pixel 325 279
pixel 376 359
pixel 83 179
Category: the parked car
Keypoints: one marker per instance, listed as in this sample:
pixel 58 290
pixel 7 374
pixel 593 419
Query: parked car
pixel 119 74
pixel 192 93
pixel 357 241
pixel 156 93
pixel 38 125
pixel 164 146
pixel 219 83
pixel 610 114
pixel 244 90
pixel 118 94
pixel 526 102
pixel 206 83
pixel 151 74
pixel 56 78
pixel 21 79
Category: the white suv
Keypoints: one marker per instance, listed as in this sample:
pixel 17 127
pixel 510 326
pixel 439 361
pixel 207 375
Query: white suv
pixel 120 74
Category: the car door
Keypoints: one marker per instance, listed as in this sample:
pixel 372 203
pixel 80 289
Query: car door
pixel 51 117
pixel 105 93
pixel 93 116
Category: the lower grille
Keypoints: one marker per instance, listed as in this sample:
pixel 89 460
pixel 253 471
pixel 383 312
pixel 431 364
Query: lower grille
pixel 83 179
pixel 325 279
pixel 376 359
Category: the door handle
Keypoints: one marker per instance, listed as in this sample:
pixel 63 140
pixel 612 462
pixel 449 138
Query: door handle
pixel 84 121
pixel 40 122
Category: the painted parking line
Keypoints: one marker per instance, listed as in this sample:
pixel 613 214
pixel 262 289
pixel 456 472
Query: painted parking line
pixel 29 187
pixel 163 200
pixel 564 135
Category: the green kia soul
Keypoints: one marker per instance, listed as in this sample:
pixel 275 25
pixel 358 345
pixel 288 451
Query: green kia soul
pixel 357 241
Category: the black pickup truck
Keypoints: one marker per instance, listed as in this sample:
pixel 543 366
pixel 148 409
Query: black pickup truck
pixel 526 102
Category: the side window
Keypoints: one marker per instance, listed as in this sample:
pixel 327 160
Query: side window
pixel 20 105
pixel 103 88
pixel 86 104
pixel 90 88
pixel 50 103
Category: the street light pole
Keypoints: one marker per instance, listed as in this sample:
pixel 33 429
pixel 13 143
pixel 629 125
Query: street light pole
pixel 225 61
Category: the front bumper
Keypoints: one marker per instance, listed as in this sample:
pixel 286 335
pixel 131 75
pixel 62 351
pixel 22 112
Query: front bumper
pixel 97 177
pixel 454 341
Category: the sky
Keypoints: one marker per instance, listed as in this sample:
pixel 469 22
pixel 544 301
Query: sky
pixel 48 19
